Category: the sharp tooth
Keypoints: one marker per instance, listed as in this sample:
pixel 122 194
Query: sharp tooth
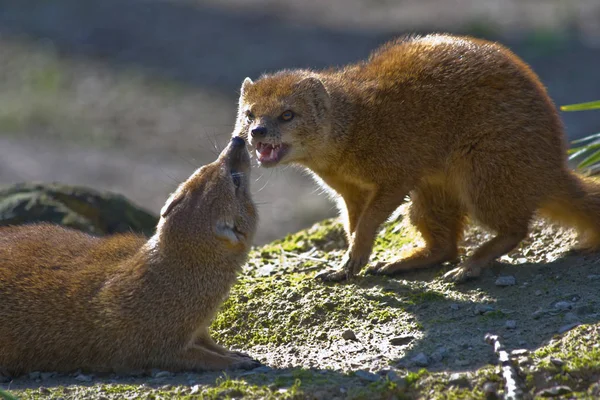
pixel 272 155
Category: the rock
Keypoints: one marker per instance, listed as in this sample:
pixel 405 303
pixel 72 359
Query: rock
pixel 394 377
pixel 47 375
pixel 83 378
pixel 563 305
pixel 454 307
pixel 439 354
pixel 555 391
pixel 568 327
pixel 420 360
pixel 510 324
pixel 490 389
pixel 593 277
pixel 482 309
pixel 538 292
pixel 557 361
pixel 401 340
pixel 459 380
pixel 35 375
pixel 367 376
pixel 538 314
pixel 195 389
pixel 507 280
pixel 88 210
pixel 349 335
pixel 519 352
pixel 571 317
pixel 161 374
pixel 44 390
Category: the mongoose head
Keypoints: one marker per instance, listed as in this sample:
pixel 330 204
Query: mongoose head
pixel 285 117
pixel 213 210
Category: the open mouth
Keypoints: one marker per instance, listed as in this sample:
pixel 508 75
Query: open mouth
pixel 269 154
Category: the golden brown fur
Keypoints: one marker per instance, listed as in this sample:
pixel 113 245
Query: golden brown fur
pixel 461 125
pixel 125 303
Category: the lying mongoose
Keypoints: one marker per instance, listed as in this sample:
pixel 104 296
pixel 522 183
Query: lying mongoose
pixel 124 303
pixel 461 125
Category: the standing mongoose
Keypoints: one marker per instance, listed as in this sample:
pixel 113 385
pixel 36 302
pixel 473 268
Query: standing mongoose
pixel 461 125
pixel 124 303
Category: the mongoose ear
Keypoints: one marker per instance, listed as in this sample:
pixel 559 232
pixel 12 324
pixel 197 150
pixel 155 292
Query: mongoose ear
pixel 317 91
pixel 246 84
pixel 173 200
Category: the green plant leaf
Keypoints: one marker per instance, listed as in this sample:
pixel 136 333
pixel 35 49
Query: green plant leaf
pixel 592 105
pixel 593 159
pixel 587 138
pixel 577 151
pixel 7 396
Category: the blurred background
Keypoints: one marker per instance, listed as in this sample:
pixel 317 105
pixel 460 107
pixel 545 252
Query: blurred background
pixel 132 95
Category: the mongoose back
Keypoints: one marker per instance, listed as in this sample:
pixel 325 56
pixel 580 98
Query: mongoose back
pixel 461 125
pixel 126 303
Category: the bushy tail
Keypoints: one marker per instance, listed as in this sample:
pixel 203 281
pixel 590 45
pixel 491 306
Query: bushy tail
pixel 577 204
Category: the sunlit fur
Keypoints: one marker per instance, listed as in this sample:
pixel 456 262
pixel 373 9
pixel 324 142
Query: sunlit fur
pixel 462 125
pixel 125 303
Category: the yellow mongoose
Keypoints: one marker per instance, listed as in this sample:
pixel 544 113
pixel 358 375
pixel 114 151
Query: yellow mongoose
pixel 462 125
pixel 124 303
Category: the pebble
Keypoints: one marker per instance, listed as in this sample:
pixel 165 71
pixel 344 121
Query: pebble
pixel 195 389
pixel 44 390
pixel 519 352
pixel 491 390
pixel 593 277
pixel 394 377
pixel 367 376
pixel 459 380
pixel 555 391
pixel 349 335
pixel 568 327
pixel 439 354
pixel 401 340
pixel 47 375
pixel 563 305
pixel 571 317
pixel 420 360
pixel 162 374
pixel 483 308
pixel 454 307
pixel 507 280
pixel 83 378
pixel 557 361
pixel 538 292
pixel 510 324
pixel 35 375
pixel 537 314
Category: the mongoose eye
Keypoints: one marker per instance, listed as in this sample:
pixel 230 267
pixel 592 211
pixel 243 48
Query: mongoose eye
pixel 249 116
pixel 287 115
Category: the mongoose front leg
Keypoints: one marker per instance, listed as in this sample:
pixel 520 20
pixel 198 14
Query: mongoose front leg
pixel 206 341
pixel 198 358
pixel 379 207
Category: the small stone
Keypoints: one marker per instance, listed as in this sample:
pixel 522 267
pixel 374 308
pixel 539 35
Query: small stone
pixel 47 375
pixel 44 390
pixel 555 391
pixel 394 377
pixel 195 389
pixel 454 306
pixel 510 324
pixel 462 362
pixel 507 280
pixel 568 327
pixel 321 335
pixel 162 374
pixel 401 340
pixel 439 354
pixel 491 390
pixel 557 361
pixel 482 309
pixel 367 376
pixel 538 314
pixel 571 317
pixel 35 375
pixel 420 360
pixel 563 305
pixel 593 277
pixel 83 378
pixel 349 335
pixel 519 352
pixel 538 292
pixel 459 380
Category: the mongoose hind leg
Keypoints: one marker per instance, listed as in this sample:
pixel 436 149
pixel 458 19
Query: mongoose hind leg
pixel 206 341
pixel 439 217
pixel 200 358
pixel 379 207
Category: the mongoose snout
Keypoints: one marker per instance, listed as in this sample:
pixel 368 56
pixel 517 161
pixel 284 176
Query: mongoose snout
pixel 125 302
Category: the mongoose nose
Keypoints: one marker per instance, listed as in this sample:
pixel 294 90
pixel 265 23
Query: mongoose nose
pixel 237 141
pixel 259 132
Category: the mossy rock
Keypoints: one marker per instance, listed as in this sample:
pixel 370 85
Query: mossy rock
pixel 82 208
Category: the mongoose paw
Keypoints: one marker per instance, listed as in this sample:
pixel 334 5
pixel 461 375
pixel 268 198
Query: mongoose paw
pixel 383 268
pixel 246 363
pixel 462 274
pixel 240 354
pixel 332 275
